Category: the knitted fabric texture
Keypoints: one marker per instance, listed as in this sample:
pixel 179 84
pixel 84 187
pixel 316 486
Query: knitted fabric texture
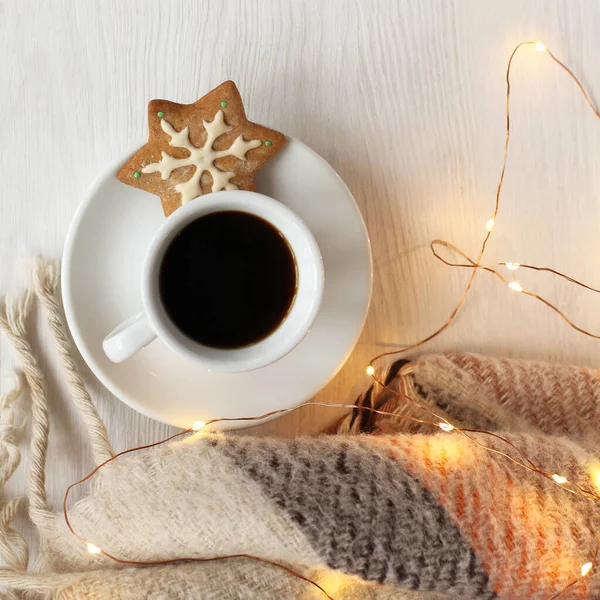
pixel 485 393
pixel 398 513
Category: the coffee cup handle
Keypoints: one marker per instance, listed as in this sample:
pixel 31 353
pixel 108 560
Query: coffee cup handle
pixel 128 338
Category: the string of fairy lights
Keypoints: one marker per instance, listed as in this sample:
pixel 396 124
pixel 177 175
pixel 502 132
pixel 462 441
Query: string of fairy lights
pixel 433 419
pixel 515 286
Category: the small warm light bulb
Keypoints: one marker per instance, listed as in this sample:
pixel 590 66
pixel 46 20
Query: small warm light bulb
pixel 515 286
pixel 540 47
pixel 586 568
pixel 93 549
pixel 595 475
pixel 445 426
pixel 198 425
pixel 490 224
pixel 512 266
pixel 370 370
pixel 559 478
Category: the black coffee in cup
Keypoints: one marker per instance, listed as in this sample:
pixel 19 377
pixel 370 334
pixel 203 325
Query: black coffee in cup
pixel 228 279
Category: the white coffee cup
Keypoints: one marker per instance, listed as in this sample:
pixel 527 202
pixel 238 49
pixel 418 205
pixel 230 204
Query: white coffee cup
pixel 141 329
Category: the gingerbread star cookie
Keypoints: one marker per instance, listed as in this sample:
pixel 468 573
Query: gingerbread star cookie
pixel 195 149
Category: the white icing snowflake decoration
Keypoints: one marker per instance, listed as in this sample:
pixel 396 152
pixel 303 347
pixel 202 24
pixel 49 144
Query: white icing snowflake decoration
pixel 201 158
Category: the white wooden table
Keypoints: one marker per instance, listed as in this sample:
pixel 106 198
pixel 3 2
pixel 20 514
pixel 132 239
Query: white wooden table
pixel 404 98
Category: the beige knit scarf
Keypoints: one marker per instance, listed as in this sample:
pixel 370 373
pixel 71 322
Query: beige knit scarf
pixel 398 513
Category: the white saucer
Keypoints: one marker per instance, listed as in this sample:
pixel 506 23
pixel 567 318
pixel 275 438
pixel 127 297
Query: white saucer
pixel 101 286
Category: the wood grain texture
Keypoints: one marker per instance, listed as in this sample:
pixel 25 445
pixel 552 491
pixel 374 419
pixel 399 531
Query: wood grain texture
pixel 404 98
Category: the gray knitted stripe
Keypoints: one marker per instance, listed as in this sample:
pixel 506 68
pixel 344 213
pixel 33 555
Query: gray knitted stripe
pixel 362 512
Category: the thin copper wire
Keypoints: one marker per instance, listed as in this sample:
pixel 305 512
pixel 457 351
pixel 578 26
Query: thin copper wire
pixel 266 561
pixel 489 233
pixel 464 431
pixel 567 587
pixel 531 466
pixel 475 266
pixel 577 82
pixel 192 431
pixel 221 420
pixel 282 411
pixel 528 464
pixel 570 585
pixel 148 563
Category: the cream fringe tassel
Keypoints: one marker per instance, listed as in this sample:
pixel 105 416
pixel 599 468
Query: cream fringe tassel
pixel 13 316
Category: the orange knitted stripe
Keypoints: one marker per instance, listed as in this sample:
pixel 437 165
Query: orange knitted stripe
pixel 508 515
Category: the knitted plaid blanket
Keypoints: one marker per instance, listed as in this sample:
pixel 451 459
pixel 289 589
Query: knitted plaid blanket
pixel 387 508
